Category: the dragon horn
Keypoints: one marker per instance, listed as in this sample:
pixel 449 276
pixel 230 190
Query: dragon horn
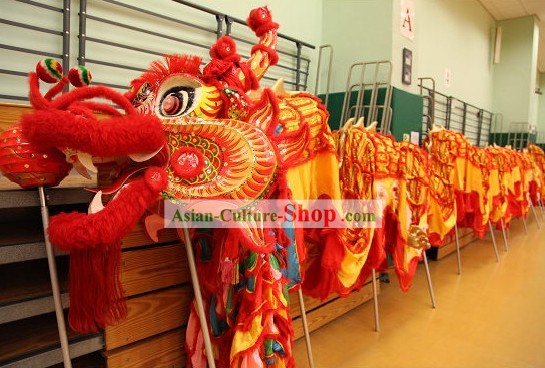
pixel 264 53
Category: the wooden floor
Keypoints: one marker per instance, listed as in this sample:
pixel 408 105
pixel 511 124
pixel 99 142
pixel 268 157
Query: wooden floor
pixel 491 316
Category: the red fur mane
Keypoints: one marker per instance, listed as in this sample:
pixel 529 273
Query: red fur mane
pixel 159 69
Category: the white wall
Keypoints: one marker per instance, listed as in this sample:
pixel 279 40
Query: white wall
pixel 456 35
pixel 540 125
pixel 448 34
pixel 534 98
pixel 515 75
pixel 19 12
pixel 399 42
pixel 358 31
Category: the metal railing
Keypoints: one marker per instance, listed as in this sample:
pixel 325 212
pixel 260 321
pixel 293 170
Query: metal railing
pixel 540 139
pixel 328 72
pixel 520 134
pixel 57 35
pixel 496 129
pixel 117 40
pixel 428 103
pixel 475 123
pixel 374 77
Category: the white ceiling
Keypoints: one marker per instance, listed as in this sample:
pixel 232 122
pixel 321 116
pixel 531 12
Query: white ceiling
pixel 506 9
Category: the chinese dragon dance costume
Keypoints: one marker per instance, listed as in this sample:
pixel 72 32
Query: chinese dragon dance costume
pixel 255 267
pixel 538 159
pixel 369 170
pixel 450 151
pixel 517 206
pixel 474 201
pixel 400 183
pixel 512 201
pixel 529 178
pixel 336 261
pixel 499 198
pixel 466 170
pixel 191 134
pixel 414 169
pixel 442 207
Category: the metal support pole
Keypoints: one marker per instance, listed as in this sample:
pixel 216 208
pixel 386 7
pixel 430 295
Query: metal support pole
pixel 326 99
pixel 524 223
pixel 540 203
pixel 375 299
pixel 428 277
pixel 534 211
pixel 198 299
pixel 464 118
pixel 505 243
pixel 448 112
pixel 228 24
pixel 494 241
pixel 457 238
pixel 66 37
pixel 359 107
pixel 219 25
pixel 298 66
pixel 305 328
pixel 54 282
pixel 480 126
pixel 82 31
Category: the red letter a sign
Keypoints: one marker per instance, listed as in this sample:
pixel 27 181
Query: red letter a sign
pixel 407 18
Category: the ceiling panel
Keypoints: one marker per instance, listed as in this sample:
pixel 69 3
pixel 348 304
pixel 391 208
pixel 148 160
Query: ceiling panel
pixel 507 9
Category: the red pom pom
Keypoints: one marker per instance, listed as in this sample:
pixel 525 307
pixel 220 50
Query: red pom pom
pixel 49 70
pixel 260 21
pixel 258 17
pixel 225 49
pixel 187 162
pixel 156 178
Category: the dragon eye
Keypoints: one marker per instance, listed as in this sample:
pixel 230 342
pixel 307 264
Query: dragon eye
pixel 178 95
pixel 177 101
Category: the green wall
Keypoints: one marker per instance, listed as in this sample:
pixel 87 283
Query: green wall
pixel 503 139
pixel 406 110
pixel 336 101
pixel 407 113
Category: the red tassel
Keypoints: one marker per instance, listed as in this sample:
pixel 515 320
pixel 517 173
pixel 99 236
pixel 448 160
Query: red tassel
pixel 227 271
pixel 94 241
pixel 96 296
pixel 225 49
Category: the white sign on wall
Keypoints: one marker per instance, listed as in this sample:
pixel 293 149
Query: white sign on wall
pixel 407 18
